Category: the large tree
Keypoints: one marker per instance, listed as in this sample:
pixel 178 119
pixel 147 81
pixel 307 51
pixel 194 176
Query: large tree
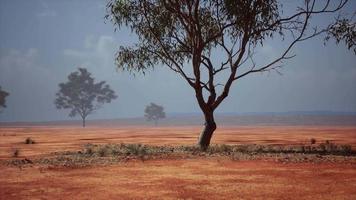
pixel 82 95
pixel 154 112
pixel 3 95
pixel 212 43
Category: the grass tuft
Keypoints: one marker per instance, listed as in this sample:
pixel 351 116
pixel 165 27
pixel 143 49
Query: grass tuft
pixel 112 153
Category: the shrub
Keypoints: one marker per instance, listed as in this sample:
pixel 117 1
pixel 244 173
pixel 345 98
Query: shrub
pixel 103 151
pixel 345 149
pixel 16 153
pixel 186 148
pixel 29 141
pixel 135 149
pixel 312 141
pixel 240 148
pixel 330 147
pixel 120 151
pixel 322 147
pixel 300 149
pixel 307 149
pixel 220 149
pixel 88 149
pixel 113 149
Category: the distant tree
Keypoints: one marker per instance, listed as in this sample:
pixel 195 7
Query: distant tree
pixel 154 112
pixel 82 95
pixel 3 95
pixel 212 44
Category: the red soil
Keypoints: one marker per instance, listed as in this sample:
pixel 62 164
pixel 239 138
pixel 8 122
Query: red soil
pixel 183 179
pixel 200 178
pixel 50 139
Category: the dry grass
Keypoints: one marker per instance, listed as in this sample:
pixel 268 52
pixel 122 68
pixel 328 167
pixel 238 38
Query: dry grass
pixel 106 154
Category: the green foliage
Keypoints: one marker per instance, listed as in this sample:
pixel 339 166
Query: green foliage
pixel 211 37
pixel 82 95
pixel 169 33
pixel 343 30
pixel 154 112
pixel 259 17
pixel 3 95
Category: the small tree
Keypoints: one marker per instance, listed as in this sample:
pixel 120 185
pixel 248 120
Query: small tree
pixel 81 95
pixel 212 44
pixel 3 95
pixel 154 112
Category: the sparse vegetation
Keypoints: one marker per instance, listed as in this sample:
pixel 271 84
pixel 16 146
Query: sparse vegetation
pixel 113 153
pixel 16 153
pixel 3 95
pixel 88 149
pixel 154 112
pixel 29 141
pixel 102 152
pixel 82 95
pixel 218 149
pixel 312 141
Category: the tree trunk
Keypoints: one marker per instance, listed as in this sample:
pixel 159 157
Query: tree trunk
pixel 207 133
pixel 83 122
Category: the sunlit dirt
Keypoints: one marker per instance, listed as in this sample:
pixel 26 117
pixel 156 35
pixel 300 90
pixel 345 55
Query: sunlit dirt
pixel 198 178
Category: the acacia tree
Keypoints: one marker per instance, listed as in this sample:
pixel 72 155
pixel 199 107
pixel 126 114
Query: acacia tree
pixel 3 95
pixel 82 95
pixel 212 43
pixel 154 112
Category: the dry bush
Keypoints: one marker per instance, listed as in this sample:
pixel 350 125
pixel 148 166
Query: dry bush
pixel 15 152
pixel 29 141
pixel 312 141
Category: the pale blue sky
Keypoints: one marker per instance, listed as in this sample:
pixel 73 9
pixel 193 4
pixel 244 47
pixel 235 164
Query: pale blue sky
pixel 42 41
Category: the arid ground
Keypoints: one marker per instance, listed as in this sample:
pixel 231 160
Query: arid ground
pixel 175 178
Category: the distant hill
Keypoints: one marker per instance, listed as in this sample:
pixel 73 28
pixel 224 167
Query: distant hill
pixel 308 118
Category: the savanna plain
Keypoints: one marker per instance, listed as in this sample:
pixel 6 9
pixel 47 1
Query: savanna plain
pixel 146 162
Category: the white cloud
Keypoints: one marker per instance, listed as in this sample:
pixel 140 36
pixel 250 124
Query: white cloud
pixel 16 61
pixel 97 55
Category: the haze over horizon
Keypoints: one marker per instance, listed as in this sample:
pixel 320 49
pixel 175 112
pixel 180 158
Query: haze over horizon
pixel 46 40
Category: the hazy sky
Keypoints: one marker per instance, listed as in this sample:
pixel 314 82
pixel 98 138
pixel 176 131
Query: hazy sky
pixel 42 41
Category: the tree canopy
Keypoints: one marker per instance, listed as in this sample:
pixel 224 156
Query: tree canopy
pixel 213 43
pixel 154 112
pixel 3 95
pixel 81 95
